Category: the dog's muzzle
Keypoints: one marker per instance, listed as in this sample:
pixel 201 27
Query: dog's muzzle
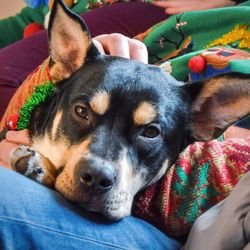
pixel 98 186
pixel 97 178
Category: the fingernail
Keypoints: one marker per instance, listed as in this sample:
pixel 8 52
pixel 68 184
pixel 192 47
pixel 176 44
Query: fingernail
pixel 10 134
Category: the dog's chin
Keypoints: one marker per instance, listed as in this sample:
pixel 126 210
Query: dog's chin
pixel 113 212
pixel 115 215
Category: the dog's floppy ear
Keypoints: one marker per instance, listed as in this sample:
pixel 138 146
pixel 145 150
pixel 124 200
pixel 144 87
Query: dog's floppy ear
pixel 69 42
pixel 218 103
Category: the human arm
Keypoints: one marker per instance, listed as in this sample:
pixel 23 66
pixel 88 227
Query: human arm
pixel 173 7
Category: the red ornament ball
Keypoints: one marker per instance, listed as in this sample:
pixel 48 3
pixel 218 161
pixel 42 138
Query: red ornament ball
pixel 12 121
pixel 31 29
pixel 197 64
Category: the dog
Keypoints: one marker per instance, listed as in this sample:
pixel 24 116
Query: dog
pixel 114 126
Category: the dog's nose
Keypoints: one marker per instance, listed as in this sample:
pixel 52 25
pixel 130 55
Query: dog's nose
pixel 99 179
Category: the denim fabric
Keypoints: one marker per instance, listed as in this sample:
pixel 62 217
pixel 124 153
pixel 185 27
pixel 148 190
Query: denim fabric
pixel 34 217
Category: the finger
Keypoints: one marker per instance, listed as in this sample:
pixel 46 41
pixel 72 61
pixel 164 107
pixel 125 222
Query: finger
pixel 19 137
pixel 4 164
pixel 138 50
pixel 189 5
pixel 99 46
pixel 5 149
pixel 119 45
pixel 186 8
pixel 115 44
pixel 174 4
pixel 200 5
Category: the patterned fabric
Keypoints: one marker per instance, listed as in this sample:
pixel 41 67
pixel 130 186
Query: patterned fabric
pixel 204 174
pixel 172 43
pixel 240 35
pixel 221 60
pixel 93 4
pixel 28 95
pixel 185 35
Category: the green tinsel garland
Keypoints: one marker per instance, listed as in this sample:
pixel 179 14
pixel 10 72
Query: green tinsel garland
pixel 40 95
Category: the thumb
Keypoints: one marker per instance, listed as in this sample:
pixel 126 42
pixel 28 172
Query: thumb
pixel 19 137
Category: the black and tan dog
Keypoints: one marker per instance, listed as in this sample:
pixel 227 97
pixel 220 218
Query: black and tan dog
pixel 114 126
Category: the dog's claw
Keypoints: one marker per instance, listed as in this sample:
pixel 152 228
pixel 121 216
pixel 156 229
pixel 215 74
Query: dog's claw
pixel 20 157
pixel 32 164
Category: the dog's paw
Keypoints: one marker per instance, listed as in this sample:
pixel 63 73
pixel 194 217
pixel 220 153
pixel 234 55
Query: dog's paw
pixel 32 164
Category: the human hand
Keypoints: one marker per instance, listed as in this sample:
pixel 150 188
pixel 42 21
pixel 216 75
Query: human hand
pixel 12 141
pixel 119 45
pixel 173 7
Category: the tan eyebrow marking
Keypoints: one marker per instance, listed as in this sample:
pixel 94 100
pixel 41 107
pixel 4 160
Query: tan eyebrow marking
pixel 100 102
pixel 144 114
pixel 56 123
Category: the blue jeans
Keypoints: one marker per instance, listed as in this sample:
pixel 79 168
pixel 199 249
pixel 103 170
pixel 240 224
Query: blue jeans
pixel 34 217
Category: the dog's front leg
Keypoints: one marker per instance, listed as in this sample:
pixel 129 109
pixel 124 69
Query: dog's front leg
pixel 29 162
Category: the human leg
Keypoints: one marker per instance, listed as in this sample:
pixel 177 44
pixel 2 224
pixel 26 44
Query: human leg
pixel 21 58
pixel 34 217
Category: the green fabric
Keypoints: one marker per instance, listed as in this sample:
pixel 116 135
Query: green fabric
pixel 173 42
pixel 203 27
pixel 80 7
pixel 242 66
pixel 11 28
pixel 40 95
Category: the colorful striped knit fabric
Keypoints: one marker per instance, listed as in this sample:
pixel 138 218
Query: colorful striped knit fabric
pixel 34 90
pixel 204 174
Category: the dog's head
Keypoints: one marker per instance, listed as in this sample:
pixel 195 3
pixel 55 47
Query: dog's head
pixel 114 125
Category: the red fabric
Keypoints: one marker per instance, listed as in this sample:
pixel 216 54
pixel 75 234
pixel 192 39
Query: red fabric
pixel 204 174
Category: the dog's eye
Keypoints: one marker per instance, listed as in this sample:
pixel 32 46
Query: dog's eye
pixel 82 112
pixel 151 131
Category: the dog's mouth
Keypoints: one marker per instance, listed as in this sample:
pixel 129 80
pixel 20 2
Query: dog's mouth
pixel 114 205
pixel 112 208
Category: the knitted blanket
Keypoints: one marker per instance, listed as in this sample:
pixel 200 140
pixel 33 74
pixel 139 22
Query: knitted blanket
pixel 204 174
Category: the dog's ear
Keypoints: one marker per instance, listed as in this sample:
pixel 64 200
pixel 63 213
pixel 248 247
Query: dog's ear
pixel 69 42
pixel 218 103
